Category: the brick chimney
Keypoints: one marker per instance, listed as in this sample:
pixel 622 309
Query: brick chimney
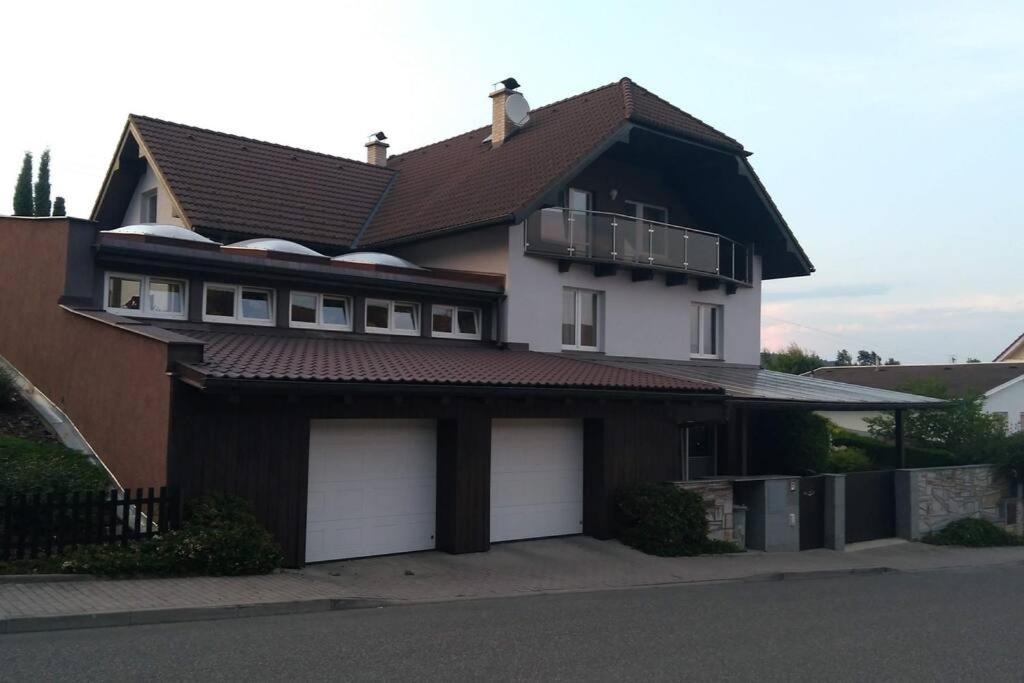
pixel 377 149
pixel 501 126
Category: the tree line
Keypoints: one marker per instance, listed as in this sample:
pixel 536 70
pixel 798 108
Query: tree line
pixel 34 199
pixel 796 361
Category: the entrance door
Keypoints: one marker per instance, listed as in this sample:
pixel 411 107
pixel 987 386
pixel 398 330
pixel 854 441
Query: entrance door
pixel 870 506
pixel 812 513
pixel 700 451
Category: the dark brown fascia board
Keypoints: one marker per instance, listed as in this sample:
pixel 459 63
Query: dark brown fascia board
pixel 110 173
pixel 206 262
pixel 202 381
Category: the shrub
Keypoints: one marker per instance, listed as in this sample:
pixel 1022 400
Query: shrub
pixel 884 456
pixel 662 519
pixel 8 391
pixel 973 533
pixel 28 467
pixel 220 537
pixel 848 459
pixel 790 441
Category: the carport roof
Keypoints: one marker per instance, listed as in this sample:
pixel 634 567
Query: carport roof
pixel 754 385
pixel 237 358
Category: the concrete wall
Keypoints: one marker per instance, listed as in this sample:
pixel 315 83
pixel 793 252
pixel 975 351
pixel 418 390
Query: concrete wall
pixel 641 319
pixel 164 206
pixel 112 384
pixel 930 498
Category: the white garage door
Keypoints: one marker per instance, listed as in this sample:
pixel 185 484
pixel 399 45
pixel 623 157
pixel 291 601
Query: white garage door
pixel 371 488
pixel 536 478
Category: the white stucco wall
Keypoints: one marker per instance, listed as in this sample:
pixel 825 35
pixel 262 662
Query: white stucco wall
pixel 480 251
pixel 641 319
pixel 1009 400
pixel 164 207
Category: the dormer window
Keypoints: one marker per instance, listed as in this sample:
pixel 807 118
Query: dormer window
pixel 237 304
pixel 147 209
pixel 392 317
pixel 455 321
pixel 327 311
pixel 144 295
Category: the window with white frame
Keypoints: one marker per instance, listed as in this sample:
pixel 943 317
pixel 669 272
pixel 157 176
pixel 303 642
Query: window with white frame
pixel 455 321
pixel 238 304
pixel 392 317
pixel 327 311
pixel 581 311
pixel 147 208
pixel 706 331
pixel 145 295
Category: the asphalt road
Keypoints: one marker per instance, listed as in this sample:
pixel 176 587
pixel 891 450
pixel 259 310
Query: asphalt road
pixel 952 625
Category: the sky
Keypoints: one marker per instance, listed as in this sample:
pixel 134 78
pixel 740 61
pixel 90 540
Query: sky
pixel 889 134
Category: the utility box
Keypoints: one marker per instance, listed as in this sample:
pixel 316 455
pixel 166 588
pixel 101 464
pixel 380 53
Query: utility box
pixel 772 512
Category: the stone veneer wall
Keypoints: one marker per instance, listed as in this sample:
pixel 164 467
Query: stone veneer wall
pixel 718 499
pixel 949 493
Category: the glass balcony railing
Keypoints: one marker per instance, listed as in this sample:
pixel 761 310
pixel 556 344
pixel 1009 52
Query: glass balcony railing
pixel 612 238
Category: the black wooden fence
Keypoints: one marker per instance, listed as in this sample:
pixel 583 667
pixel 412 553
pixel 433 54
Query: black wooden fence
pixel 35 525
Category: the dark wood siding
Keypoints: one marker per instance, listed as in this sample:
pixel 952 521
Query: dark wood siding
pixel 464 480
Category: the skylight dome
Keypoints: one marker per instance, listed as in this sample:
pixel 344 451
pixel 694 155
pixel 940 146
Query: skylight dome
pixel 376 258
pixel 273 244
pixel 171 232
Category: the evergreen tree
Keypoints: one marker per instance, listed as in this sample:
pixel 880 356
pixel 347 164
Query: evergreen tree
pixel 41 198
pixel 23 189
pixel 844 358
pixel 58 207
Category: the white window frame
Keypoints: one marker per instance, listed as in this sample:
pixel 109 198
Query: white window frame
pixel 455 334
pixel 578 327
pixel 703 312
pixel 320 324
pixel 641 231
pixel 144 310
pixel 391 329
pixel 145 198
pixel 237 318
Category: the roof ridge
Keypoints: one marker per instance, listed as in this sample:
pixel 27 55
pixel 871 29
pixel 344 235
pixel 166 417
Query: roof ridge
pixel 257 141
pixel 627 96
pixel 486 126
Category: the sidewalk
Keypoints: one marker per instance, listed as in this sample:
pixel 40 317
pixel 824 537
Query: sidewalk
pixel 511 569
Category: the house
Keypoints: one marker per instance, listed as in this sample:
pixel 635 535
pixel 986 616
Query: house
pixel 1013 352
pixel 1001 385
pixel 480 340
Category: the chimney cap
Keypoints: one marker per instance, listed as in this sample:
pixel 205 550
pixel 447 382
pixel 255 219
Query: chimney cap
pixel 377 137
pixel 510 83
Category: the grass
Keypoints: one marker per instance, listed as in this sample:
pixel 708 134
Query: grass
pixel 30 467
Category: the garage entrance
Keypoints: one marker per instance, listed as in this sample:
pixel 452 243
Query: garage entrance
pixel 372 488
pixel 536 478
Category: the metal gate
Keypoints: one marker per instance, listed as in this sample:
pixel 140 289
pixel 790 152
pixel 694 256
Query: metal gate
pixel 812 512
pixel 870 506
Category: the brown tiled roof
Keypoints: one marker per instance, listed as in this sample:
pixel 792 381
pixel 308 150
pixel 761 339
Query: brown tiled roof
pixel 227 182
pixel 463 181
pixel 309 357
pixel 960 379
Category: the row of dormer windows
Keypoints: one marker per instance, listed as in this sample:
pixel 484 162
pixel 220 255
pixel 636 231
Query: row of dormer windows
pixel 167 298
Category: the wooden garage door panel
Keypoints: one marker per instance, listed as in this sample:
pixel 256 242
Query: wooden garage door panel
pixel 536 478
pixel 372 488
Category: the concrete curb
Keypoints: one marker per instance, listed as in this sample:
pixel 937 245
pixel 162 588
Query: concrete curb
pixel 179 614
pixel 45 578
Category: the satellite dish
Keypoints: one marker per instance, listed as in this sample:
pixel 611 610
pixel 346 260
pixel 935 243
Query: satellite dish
pixel 517 109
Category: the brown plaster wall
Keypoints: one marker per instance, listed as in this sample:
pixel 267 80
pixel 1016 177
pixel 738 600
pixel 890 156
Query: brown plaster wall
pixel 113 384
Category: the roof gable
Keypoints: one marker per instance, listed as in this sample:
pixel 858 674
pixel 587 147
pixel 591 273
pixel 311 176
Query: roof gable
pixel 1015 351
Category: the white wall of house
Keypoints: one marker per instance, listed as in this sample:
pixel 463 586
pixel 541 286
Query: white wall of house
pixel 164 206
pixel 850 420
pixel 1009 399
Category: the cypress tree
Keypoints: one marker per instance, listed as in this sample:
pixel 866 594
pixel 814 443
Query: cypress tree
pixel 23 189
pixel 41 198
pixel 58 207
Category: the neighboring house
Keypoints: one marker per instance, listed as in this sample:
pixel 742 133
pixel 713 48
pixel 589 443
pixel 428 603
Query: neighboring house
pixel 1013 352
pixel 476 341
pixel 1001 385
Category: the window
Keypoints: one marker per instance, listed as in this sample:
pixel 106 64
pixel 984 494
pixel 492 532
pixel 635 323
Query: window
pixel 145 295
pixel 320 310
pixel 705 331
pixel 455 321
pixel 147 210
pixel 638 241
pixel 580 319
pixel 392 317
pixel 238 304
pixel 700 451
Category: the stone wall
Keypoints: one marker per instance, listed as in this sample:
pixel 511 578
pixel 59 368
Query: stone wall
pixel 945 494
pixel 718 500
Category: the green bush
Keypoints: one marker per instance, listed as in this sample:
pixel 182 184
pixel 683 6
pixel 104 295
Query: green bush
pixel 8 391
pixel 790 441
pixel 662 519
pixel 848 459
pixel 973 533
pixel 29 467
pixel 220 537
pixel 884 455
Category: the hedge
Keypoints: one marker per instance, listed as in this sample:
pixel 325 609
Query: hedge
pixel 662 519
pixel 884 456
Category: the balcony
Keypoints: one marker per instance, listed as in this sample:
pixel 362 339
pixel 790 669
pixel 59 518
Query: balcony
pixel 610 239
